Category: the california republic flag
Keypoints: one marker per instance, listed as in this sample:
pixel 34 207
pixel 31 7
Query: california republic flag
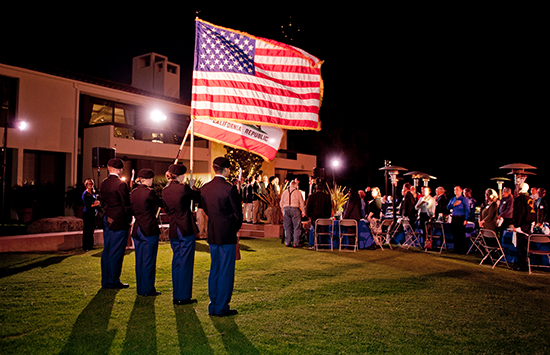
pixel 261 140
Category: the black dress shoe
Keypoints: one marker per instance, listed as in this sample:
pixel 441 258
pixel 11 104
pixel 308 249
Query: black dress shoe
pixel 182 302
pixel 121 285
pixel 231 312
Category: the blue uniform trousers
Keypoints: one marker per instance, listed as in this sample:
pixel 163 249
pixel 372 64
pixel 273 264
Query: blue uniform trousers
pixel 114 245
pixel 146 262
pixel 183 262
pixel 221 277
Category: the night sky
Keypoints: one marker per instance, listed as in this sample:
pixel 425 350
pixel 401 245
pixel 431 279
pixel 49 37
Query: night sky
pixel 453 92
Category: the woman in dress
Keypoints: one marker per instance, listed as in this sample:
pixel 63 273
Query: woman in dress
pixel 90 210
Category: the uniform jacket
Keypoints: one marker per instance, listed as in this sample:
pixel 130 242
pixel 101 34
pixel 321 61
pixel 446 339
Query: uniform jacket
pixel 145 204
pixel 177 201
pixel 115 197
pixel 222 204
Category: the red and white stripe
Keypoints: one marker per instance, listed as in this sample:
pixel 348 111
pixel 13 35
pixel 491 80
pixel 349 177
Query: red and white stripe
pixel 285 91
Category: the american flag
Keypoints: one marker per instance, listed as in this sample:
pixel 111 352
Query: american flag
pixel 242 78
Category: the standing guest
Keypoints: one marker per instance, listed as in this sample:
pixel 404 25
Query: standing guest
pixel 292 204
pixel 524 215
pixel 441 202
pixel 524 212
pixel 183 230
pixel 256 189
pixel 374 209
pixel 460 211
pixel 472 203
pixel 319 205
pixel 534 194
pixel 426 208
pixel 91 203
pixel 115 195
pixel 352 209
pixel 248 199
pixel 489 211
pixel 506 209
pixel 407 205
pixel 542 206
pixel 145 204
pixel 222 205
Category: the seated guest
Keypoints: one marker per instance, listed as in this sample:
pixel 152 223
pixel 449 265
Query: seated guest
pixel 489 211
pixel 352 209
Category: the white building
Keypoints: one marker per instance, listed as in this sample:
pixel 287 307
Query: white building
pixel 67 116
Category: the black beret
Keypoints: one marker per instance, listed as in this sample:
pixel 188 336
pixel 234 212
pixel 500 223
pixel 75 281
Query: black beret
pixel 116 163
pixel 222 162
pixel 146 174
pixel 177 169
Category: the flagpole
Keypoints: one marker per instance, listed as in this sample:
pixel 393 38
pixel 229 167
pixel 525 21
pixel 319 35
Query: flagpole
pixel 192 163
pixel 181 146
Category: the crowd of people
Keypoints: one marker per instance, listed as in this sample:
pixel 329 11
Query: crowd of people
pixel 522 208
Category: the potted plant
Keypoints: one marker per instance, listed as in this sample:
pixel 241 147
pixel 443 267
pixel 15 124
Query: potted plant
pixel 339 197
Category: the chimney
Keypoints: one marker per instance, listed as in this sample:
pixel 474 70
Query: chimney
pixel 153 72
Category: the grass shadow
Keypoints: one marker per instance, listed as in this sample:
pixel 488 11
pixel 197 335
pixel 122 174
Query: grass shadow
pixel 141 333
pixel 191 336
pixel 234 341
pixel 91 334
pixel 42 262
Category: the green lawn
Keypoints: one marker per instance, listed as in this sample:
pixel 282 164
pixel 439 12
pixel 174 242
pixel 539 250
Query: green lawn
pixel 290 301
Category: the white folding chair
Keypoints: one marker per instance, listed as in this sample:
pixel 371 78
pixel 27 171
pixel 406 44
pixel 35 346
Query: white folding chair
pixel 537 239
pixel 344 231
pixel 431 227
pixel 325 231
pixel 491 245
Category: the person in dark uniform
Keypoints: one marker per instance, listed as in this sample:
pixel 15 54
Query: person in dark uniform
pixel 115 196
pixel 145 204
pixel 222 204
pixel 91 203
pixel 183 230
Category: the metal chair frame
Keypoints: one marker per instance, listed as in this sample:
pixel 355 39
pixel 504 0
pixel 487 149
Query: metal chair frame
pixel 430 227
pixel 487 234
pixel 346 223
pixel 380 237
pixel 325 222
pixel 541 239
pixel 477 242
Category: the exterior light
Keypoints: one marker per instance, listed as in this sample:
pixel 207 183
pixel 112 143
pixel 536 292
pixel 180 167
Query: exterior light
pixel 158 116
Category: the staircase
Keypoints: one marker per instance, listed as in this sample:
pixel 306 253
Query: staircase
pixel 251 231
pixel 260 231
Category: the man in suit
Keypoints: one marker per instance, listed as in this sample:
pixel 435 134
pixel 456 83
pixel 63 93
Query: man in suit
pixel 115 197
pixel 222 204
pixel 183 230
pixel 145 232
